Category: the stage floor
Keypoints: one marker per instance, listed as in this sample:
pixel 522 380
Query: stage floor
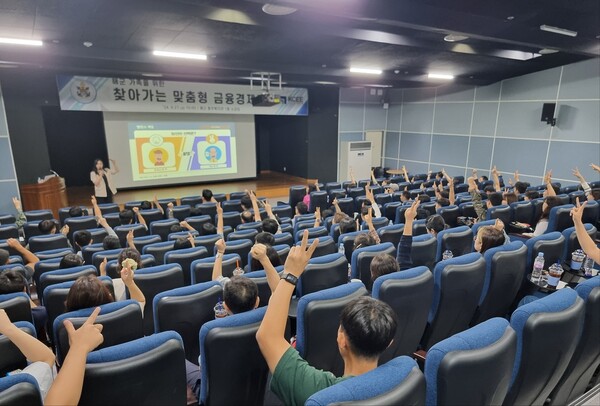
pixel 272 185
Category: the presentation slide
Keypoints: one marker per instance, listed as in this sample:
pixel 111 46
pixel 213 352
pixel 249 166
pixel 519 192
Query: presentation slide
pixel 162 149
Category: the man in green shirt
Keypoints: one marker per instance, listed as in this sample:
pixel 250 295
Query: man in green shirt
pixel 367 327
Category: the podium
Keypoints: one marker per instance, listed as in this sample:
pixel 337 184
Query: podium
pixel 50 194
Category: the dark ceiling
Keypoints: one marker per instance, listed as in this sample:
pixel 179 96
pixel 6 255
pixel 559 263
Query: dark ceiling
pixel 319 42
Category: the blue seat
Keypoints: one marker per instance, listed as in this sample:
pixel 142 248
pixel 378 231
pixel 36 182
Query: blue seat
pixel 185 310
pixel 362 258
pixel 164 203
pixel 284 210
pixel 547 330
pixel 30 229
pixel 326 246
pixel 45 266
pixel 378 222
pixel 154 280
pixel 347 205
pixel 207 209
pixel 586 358
pixel 232 206
pixel 424 249
pixel 467 210
pixel 264 290
pixel 141 242
pixel 389 210
pixel 121 322
pixel 39 215
pixel 398 382
pixel 98 257
pixel 347 239
pixel 237 195
pixel 8 231
pixel 184 258
pixel 240 247
pixel 63 275
pixel 504 272
pixel 207 241
pixel 231 341
pixel 457 287
pixel 318 320
pixel 181 212
pixel 63 213
pixel 20 389
pixel 459 240
pixel 220 197
pixel 248 234
pixel 80 223
pixel 55 253
pixel 551 244
pixel 6 218
pixel 12 357
pixel 334 232
pixel 419 227
pixel 139 230
pixel 89 250
pixel 201 269
pixel 483 356
pixel 450 215
pixel 571 241
pixel 502 212
pixel 159 250
pixel 198 221
pixel 19 268
pixel 98 234
pixel 318 198
pixel 149 370
pixel 409 293
pixel 475 228
pixel 560 218
pixel 191 200
pixel 284 238
pixel 163 227
pixel 253 225
pixel 152 215
pixel 108 208
pixel 591 212
pixel 323 272
pixel 17 306
pixel 231 218
pixel 134 203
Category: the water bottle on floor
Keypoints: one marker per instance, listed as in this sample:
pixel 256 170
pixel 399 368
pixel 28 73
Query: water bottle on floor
pixel 447 255
pixel 538 266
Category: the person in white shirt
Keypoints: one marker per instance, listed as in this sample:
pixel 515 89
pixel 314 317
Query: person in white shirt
pixel 101 177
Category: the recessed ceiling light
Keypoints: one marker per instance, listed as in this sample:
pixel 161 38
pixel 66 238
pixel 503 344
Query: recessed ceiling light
pixel 455 37
pixel 509 18
pixel 324 82
pixel 445 76
pixel 547 51
pixel 378 85
pixel 370 71
pixel 557 30
pixel 88 44
pixel 183 55
pixel 152 75
pixel 277 10
pixel 396 71
pixel 8 66
pixel 16 41
pixel 324 66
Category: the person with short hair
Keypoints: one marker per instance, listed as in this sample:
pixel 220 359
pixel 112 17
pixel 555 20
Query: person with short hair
pixel 76 211
pixel 494 199
pixel 207 196
pixel 264 238
pixel 70 261
pixel 434 224
pixel 532 195
pixel 13 281
pixel 367 327
pixel 111 242
pixel 82 239
pixel 301 209
pixel 383 264
pixel 29 258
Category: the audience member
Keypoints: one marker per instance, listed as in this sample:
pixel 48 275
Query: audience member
pixel 207 196
pixel 70 261
pixel 488 237
pixel 542 223
pixel 434 224
pixel 29 258
pixel 587 243
pixel 82 239
pixel 13 281
pixel 264 238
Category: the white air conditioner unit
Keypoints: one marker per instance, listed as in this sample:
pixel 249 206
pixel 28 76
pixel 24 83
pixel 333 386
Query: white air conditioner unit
pixel 355 155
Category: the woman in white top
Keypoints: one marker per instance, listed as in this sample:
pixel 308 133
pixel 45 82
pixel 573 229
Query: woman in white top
pixel 101 177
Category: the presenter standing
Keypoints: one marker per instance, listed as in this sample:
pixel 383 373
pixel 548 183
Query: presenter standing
pixel 101 177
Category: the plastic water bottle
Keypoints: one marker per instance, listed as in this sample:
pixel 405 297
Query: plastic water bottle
pixel 447 255
pixel 342 250
pixel 588 266
pixel 538 266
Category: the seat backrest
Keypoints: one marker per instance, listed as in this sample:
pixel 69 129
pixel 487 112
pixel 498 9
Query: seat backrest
pixel 378 222
pixel 154 280
pixel 98 234
pixel 208 242
pixel 232 341
pixel 361 261
pixel 467 209
pixel 158 250
pixel 201 269
pixel 322 273
pixel 548 330
pixel 121 322
pixel 318 319
pixel 152 215
pixel 38 215
pixel 141 242
pixel 17 306
pixel 297 193
pixel 409 293
pixel 571 241
pixel 20 389
pixel 560 218
pixel 253 225
pixel 98 257
pixel 326 246
pixel 457 287
pixel 264 290
pixel 240 247
pixel 8 231
pixel 483 356
pixel 450 215
pixel 207 209
pixel 6 218
pixel 504 272
pixel 122 231
pixel 146 371
pixel 63 275
pixel 348 240
pixel 283 210
pixel 12 358
pixel 424 248
pixel 55 253
pixel 89 250
pixel 146 260
pixel 284 238
pixel 522 212
pixel 459 240
pixel 398 382
pixel 391 233
pixel 586 358
pixel 551 244
pixel 419 227
pixel 318 199
pixel 502 212
pixel 198 221
pixel 247 234
pixel 185 310
pixel 80 223
pixel 591 212
pixel 48 242
pixel 163 227
pixel 347 205
pixel 184 258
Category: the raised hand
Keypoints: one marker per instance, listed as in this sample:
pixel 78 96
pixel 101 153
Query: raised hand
pixel 88 336
pixel 577 211
pixel 103 267
pixel 220 245
pixel 259 252
pixel 300 255
pixel 411 213
pixel 5 323
pixel 219 209
pixel 595 167
pixel 577 174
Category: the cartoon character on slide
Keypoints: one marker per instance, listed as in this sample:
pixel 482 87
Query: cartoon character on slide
pixel 158 158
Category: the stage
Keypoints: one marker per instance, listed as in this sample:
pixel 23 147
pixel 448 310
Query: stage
pixel 272 185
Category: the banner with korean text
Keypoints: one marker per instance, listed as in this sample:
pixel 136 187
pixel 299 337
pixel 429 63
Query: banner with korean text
pixel 90 93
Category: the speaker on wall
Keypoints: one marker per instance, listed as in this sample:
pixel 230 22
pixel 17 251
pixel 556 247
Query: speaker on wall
pixel 548 113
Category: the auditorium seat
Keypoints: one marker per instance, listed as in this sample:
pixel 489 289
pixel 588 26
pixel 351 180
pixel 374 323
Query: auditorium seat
pixel 300 225
pixel 247 234
pixel 318 198
pixel 237 195
pixel 409 293
pixel 505 268
pixel 152 215
pixel 8 231
pixel 12 358
pixel 121 322
pixel 284 238
pixel 181 212
pixel 108 208
pixel 547 330
pixel 424 248
pixel 347 205
pixel 457 287
pixel 318 320
pixel 198 221
pixel 20 389
pixel 483 356
pixel 326 246
pixel 201 269
pixel 206 209
pixel 63 275
pixel 264 290
pixel 163 227
pixel 146 371
pixel 182 234
pixel 55 253
pixel 360 264
pixel 6 218
pixel 231 341
pixel 231 219
pixel 80 223
pixel 296 195
pixel 591 212
pixel 459 240
pixel 551 244
pixel 130 205
pixel 112 219
pixel 502 212
pixel 38 215
pixel 240 247
pixel 419 227
pixel 139 230
pixel 185 310
pixel 231 206
pixel 313 232
pixel 334 232
pixel 450 215
pixel 383 198
pixel 154 280
pixel 158 250
pixel 253 225
pixel 284 210
pixel 185 257
pixel 467 210
pixel 391 233
pixel 207 241
pixel 571 241
pixel 165 202
pixel 322 273
pixel 45 266
pixel 98 257
pixel 398 382
pixel 220 197
pixel 191 201
pixel 63 213
pixel 378 222
pixel 48 242
pixel 17 306
pixel 347 239
pixel 30 229
pixel 19 267
pixel 586 358
pixel 98 234
pixel 560 218
pixel 141 242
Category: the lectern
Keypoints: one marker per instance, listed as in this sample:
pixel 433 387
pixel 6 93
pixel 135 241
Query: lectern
pixel 50 194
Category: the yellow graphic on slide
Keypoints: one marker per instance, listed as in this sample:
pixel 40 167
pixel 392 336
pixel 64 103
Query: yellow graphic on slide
pixel 158 153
